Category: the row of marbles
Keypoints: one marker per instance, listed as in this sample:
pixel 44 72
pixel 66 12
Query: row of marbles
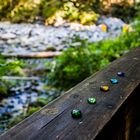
pixel 91 100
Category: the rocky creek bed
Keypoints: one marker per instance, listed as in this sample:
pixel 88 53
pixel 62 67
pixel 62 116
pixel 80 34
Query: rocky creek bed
pixel 26 92
pixel 27 38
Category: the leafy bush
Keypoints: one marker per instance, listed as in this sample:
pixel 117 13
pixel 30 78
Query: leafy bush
pixel 77 63
pixel 8 68
pixel 6 6
pixel 25 11
pixel 50 10
pixel 78 13
pixel 82 11
pixel 125 11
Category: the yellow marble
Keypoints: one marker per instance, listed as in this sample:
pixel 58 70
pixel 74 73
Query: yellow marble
pixel 104 88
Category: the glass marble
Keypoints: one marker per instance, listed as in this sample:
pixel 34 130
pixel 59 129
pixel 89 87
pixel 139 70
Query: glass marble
pixel 91 100
pixel 121 74
pixel 76 113
pixel 114 81
pixel 104 88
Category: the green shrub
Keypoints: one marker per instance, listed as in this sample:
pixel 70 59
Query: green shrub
pixel 6 6
pixel 125 11
pixel 8 68
pixel 77 63
pixel 25 11
pixel 82 11
pixel 49 11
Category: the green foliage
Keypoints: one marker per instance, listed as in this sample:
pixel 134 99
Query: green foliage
pixel 19 10
pixel 24 11
pixel 82 11
pixel 50 7
pixel 32 110
pixel 50 10
pixel 6 6
pixel 4 85
pixel 77 63
pixel 41 102
pixel 8 68
pixel 15 120
pixel 75 11
pixel 125 11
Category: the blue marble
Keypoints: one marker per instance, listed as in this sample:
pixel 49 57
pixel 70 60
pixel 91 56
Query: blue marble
pixel 121 74
pixel 114 81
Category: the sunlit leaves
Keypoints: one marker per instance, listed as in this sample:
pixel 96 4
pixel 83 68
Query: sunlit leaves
pixel 6 68
pixel 30 10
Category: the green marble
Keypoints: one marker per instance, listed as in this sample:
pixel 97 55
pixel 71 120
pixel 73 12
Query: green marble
pixel 76 113
pixel 91 100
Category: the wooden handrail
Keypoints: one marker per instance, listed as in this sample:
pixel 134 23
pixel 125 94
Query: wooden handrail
pixel 113 117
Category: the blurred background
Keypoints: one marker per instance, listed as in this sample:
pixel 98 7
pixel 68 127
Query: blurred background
pixel 49 46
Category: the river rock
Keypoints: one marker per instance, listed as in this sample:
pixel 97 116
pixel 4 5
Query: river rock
pixel 35 37
pixel 8 36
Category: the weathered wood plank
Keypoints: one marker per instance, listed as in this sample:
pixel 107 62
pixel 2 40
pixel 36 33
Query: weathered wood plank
pixel 18 78
pixel 123 124
pixel 32 54
pixel 54 121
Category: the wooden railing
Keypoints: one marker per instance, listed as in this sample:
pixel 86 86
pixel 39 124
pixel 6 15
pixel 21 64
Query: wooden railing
pixel 113 117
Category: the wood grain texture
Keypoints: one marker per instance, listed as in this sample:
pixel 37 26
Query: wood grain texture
pixel 54 121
